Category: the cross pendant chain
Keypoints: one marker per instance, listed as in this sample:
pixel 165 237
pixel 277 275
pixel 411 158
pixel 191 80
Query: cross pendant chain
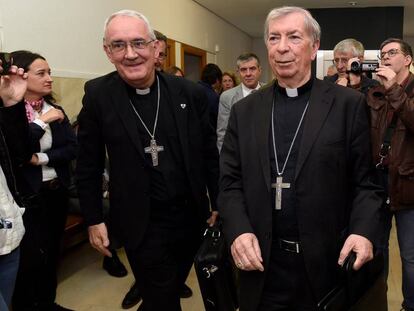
pixel 153 149
pixel 279 185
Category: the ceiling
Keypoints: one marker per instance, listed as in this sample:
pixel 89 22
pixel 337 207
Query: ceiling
pixel 249 15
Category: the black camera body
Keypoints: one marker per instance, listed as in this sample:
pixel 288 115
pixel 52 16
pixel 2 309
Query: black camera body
pixel 6 62
pixel 367 66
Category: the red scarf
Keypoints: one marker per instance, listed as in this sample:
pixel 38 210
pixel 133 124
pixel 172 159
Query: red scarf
pixel 32 106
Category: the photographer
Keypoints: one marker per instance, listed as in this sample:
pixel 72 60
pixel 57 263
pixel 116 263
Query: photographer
pixel 14 137
pixel 346 52
pixel 392 136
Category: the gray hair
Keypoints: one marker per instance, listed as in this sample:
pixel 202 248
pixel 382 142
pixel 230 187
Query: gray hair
pixel 247 57
pixel 311 24
pixel 350 45
pixel 130 13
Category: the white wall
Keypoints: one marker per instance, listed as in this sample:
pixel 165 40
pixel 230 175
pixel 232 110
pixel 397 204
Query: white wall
pixel 69 32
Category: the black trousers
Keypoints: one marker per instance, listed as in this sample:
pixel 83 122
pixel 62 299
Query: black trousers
pixel 287 286
pixel 44 221
pixel 162 261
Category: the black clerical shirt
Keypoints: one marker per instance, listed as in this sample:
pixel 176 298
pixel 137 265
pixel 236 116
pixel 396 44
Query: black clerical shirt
pixel 287 114
pixel 169 179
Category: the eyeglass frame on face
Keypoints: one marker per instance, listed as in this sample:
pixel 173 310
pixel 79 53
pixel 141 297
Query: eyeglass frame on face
pixel 136 45
pixel 340 60
pixel 391 53
pixel 162 55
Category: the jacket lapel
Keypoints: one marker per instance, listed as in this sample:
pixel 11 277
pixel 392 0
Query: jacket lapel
pixel 262 128
pixel 121 103
pixel 320 104
pixel 239 94
pixel 179 105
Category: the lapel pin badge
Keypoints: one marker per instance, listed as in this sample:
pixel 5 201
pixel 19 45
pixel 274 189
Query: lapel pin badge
pixel 183 106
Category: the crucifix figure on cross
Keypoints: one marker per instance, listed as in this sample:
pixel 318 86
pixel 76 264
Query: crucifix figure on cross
pixel 153 149
pixel 279 185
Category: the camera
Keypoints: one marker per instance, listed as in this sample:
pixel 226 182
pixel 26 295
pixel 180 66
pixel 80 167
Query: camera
pixel 6 62
pixel 367 66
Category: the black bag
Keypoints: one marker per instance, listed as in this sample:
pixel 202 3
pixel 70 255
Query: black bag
pixel 215 273
pixel 360 290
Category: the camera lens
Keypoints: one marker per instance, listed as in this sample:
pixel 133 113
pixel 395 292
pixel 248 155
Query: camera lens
pixel 355 66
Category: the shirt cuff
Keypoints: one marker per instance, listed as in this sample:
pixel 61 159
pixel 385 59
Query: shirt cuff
pixel 40 123
pixel 43 158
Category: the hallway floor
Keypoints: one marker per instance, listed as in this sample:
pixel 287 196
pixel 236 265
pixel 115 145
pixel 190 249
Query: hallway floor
pixel 85 286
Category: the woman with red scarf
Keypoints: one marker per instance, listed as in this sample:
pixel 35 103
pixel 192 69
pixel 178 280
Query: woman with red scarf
pixel 43 183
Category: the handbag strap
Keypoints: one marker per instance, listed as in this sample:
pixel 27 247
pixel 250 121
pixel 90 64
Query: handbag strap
pixel 386 143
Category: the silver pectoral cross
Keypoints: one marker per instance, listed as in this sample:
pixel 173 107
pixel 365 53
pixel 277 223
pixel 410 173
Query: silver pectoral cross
pixel 153 149
pixel 279 185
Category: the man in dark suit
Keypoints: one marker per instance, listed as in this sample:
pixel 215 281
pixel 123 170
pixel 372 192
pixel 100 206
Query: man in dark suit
pixel 295 189
pixel 162 159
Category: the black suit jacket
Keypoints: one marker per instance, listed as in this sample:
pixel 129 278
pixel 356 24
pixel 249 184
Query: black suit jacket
pixel 107 121
pixel 333 182
pixel 60 155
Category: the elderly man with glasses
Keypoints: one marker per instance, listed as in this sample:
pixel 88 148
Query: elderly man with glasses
pixel 346 52
pixel 392 133
pixel 162 156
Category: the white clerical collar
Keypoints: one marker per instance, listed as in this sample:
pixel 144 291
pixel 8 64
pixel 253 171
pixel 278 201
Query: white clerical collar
pixel 292 92
pixel 295 92
pixel 247 91
pixel 143 91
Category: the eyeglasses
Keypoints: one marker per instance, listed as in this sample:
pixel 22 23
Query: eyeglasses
pixel 118 47
pixel 337 61
pixel 391 53
pixel 162 55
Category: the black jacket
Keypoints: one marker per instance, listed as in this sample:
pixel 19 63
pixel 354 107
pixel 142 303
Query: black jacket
pixel 336 196
pixel 60 155
pixel 14 144
pixel 107 121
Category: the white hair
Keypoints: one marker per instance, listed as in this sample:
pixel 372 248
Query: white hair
pixel 311 24
pixel 131 13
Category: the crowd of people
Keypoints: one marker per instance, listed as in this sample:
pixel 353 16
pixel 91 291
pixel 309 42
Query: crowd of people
pixel 300 172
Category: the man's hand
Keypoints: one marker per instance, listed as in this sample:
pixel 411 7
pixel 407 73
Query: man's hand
pixel 387 75
pixel 354 78
pixel 51 115
pixel 98 237
pixel 361 246
pixel 246 252
pixel 13 86
pixel 34 160
pixel 342 81
pixel 212 219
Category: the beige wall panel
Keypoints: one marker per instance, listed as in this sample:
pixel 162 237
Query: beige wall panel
pixel 69 32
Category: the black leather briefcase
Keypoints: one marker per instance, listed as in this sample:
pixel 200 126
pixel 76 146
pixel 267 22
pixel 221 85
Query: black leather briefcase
pixel 361 290
pixel 215 273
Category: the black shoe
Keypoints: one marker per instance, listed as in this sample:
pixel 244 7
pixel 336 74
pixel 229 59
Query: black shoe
pixel 185 292
pixel 132 297
pixel 114 266
pixel 57 307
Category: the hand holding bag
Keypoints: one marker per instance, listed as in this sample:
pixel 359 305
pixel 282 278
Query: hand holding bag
pixel 215 272
pixel 360 290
